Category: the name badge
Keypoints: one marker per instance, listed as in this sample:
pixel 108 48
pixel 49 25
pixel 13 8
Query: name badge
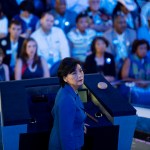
pixel 9 51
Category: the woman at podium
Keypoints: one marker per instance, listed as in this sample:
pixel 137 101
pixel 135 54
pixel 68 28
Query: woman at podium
pixel 68 127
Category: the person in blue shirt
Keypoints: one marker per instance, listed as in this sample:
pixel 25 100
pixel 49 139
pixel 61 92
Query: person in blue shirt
pixel 64 18
pixel 68 111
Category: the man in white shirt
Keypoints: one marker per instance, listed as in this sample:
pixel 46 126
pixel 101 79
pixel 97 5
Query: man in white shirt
pixel 52 42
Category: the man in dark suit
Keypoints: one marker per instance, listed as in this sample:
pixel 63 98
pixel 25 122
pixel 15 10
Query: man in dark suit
pixel 11 45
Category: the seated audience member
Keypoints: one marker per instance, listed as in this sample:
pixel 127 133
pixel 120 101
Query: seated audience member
pixel 30 65
pixel 136 69
pixel 120 39
pixel 3 24
pixel 100 61
pixel 137 66
pixel 144 31
pixel 4 71
pixel 97 19
pixel 129 9
pixel 64 18
pixel 11 45
pixel 52 42
pixel 80 38
pixel 27 18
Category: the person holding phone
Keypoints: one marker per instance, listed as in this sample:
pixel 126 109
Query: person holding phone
pixel 68 111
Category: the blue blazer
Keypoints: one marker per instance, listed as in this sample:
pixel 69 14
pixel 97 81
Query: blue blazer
pixel 68 127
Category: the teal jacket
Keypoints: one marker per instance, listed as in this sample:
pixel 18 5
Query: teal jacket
pixel 68 127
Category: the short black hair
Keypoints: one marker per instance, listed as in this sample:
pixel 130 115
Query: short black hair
pixel 137 43
pixel 27 6
pixel 46 13
pixel 93 49
pixel 67 66
pixel 16 22
pixel 81 15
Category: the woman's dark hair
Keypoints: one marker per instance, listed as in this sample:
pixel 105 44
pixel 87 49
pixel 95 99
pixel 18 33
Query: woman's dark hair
pixel 137 43
pixel 67 66
pixel 24 55
pixel 93 49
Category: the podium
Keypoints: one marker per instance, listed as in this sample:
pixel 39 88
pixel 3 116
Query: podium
pixel 115 107
pixel 26 114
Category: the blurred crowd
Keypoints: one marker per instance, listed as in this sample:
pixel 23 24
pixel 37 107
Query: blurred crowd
pixel 110 37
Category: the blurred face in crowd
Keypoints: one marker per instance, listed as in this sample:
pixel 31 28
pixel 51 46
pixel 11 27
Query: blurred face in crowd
pixel 61 6
pixel 94 5
pixel 25 14
pixel 31 48
pixel 76 78
pixel 120 24
pixel 82 24
pixel 47 22
pixel 141 50
pixel 15 31
pixel 100 46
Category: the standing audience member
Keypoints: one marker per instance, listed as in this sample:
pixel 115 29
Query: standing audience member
pixel 120 39
pixel 100 61
pixel 4 71
pixel 3 23
pixel 11 45
pixel 98 20
pixel 64 18
pixel 30 65
pixel 52 42
pixel 27 18
pixel 80 38
pixel 68 111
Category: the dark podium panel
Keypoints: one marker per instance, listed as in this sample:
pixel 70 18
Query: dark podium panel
pixel 26 114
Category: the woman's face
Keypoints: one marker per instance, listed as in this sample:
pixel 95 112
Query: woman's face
pixel 31 49
pixel 100 46
pixel 76 78
pixel 142 51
